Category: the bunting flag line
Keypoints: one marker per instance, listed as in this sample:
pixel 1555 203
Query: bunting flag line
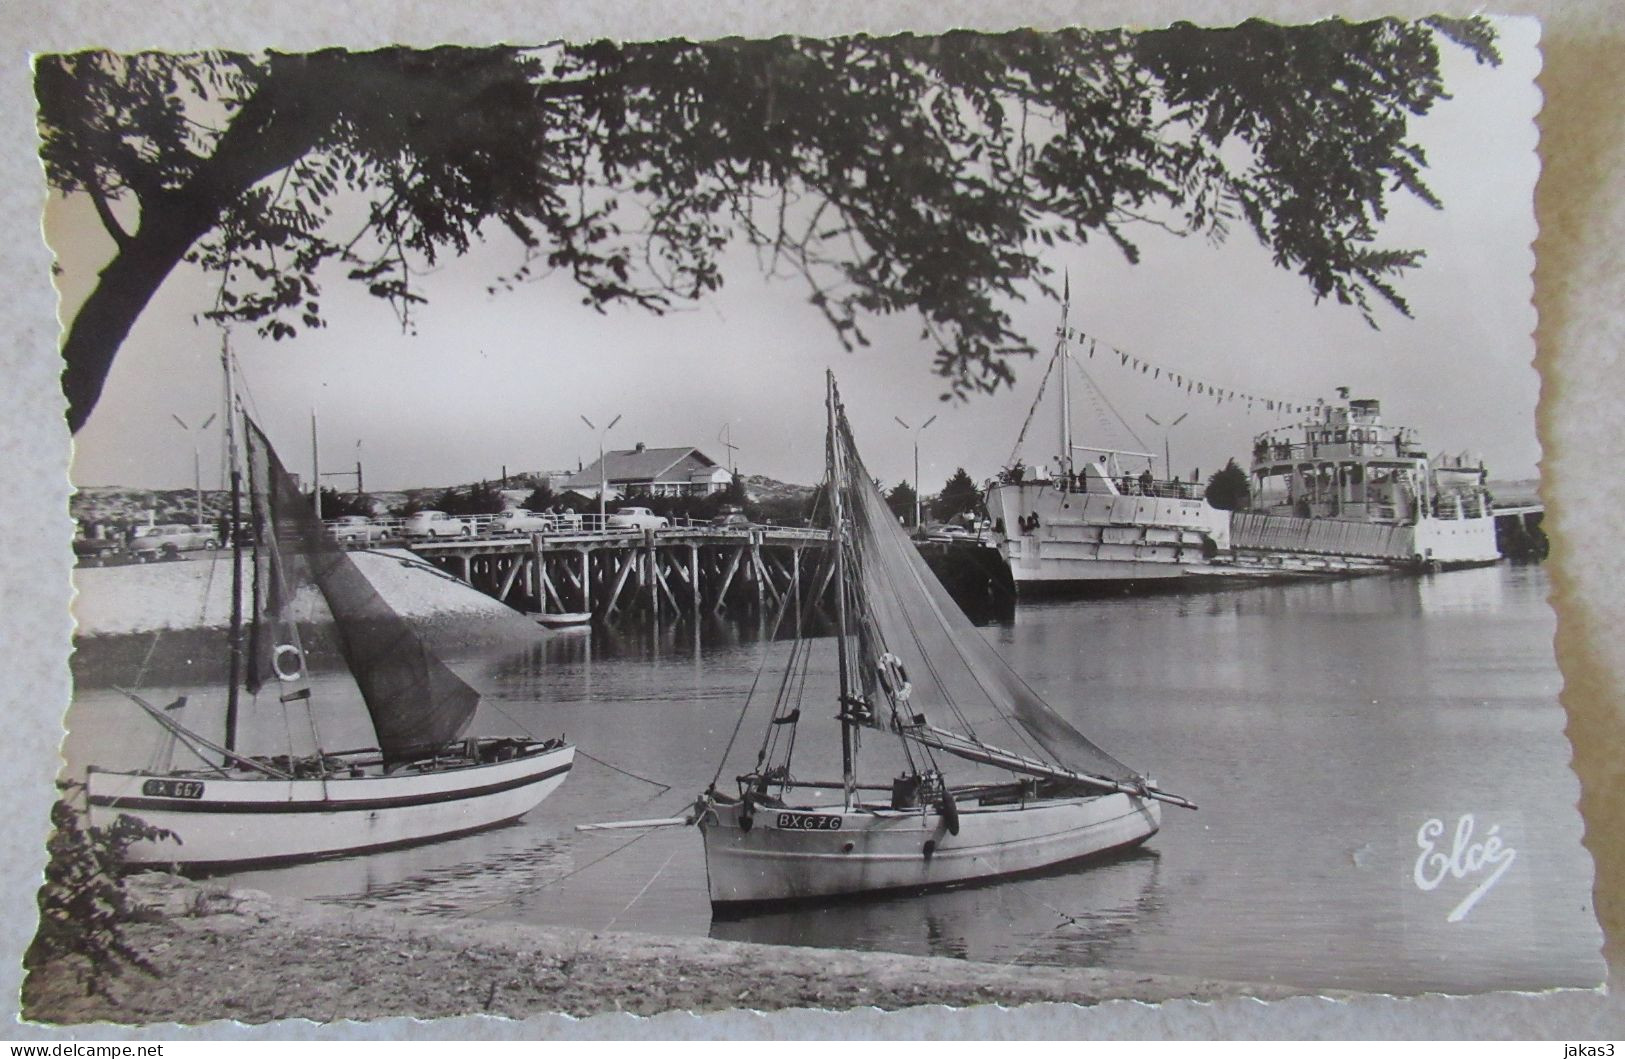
pixel 1196 387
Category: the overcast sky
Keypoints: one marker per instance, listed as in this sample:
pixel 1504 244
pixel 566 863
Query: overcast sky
pixel 494 380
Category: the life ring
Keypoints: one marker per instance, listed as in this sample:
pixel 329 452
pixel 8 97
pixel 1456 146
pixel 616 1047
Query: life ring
pixel 281 652
pixel 1379 451
pixel 893 677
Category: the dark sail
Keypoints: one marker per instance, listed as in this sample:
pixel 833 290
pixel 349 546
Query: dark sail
pixel 274 652
pixel 957 681
pixel 417 703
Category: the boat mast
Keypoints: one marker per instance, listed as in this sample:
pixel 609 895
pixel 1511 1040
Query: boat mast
pixel 1066 384
pixel 849 776
pixel 236 628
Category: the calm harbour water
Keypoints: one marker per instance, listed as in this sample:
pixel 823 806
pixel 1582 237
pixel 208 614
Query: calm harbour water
pixel 1319 726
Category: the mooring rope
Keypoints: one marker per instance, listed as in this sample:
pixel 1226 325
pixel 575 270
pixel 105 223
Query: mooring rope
pixel 639 895
pixel 512 897
pixel 625 772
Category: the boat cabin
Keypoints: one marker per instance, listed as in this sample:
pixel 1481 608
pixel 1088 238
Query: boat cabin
pixel 1347 464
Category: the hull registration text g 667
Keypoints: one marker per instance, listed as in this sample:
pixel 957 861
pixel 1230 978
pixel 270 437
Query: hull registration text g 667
pixel 165 788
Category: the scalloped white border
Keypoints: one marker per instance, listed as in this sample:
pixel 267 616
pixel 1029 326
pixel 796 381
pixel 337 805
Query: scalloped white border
pixel 1580 296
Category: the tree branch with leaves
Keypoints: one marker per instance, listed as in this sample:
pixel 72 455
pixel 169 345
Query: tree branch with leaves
pixel 923 174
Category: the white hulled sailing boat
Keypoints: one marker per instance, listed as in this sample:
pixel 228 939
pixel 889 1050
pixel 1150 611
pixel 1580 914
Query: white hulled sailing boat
pixel 424 780
pixel 1029 790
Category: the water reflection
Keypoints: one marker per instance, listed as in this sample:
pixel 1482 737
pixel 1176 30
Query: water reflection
pixel 1482 590
pixel 445 878
pixel 1074 916
pixel 1318 724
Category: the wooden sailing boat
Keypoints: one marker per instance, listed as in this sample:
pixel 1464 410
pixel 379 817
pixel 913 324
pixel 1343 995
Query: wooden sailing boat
pixel 923 674
pixel 422 781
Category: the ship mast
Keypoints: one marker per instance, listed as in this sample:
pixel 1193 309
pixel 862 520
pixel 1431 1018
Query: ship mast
pixel 849 779
pixel 1065 356
pixel 236 633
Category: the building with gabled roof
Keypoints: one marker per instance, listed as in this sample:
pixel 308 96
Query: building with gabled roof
pixel 646 472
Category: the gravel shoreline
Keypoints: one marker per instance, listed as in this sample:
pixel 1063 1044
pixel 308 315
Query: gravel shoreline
pixel 247 956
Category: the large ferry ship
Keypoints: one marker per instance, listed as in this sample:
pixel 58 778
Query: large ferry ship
pixel 1100 518
pixel 1344 487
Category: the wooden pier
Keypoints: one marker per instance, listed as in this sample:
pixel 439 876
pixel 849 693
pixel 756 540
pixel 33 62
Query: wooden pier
pixel 678 570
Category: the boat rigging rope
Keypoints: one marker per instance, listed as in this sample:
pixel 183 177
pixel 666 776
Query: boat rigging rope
pixel 761 665
pixel 517 723
pixel 1031 409
pixel 800 657
pixel 1095 387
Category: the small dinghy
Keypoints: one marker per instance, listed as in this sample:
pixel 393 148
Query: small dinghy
pixel 566 620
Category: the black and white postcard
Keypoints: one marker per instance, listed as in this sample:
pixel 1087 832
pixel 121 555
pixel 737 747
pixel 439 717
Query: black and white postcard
pixel 612 522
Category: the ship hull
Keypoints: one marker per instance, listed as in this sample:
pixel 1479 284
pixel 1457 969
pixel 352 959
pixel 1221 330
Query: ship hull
pixel 824 852
pixel 241 819
pixel 1430 542
pixel 1055 541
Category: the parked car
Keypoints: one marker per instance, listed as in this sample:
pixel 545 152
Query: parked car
pixel 520 520
pixel 637 518
pixel 435 524
pixel 357 529
pixel 731 518
pixel 96 551
pixel 949 534
pixel 168 541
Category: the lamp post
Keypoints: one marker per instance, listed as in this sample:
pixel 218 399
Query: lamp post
pixel 603 472
pixel 360 487
pixel 1167 464
pixel 197 471
pixel 725 437
pixel 917 431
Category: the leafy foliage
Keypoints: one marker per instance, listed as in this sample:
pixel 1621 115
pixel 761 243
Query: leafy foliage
pixel 1229 489
pixel 958 496
pixel 83 903
pixel 540 499
pixel 336 504
pixel 481 499
pixel 900 499
pixel 734 491
pixel 885 174
pixel 407 507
